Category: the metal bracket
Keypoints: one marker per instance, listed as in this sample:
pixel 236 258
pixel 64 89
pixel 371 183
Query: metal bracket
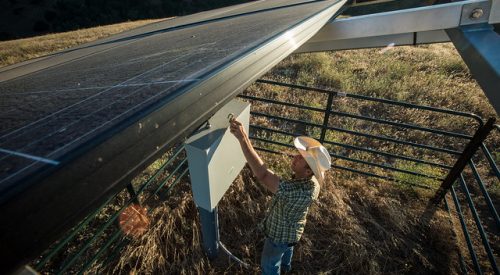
pixel 475 13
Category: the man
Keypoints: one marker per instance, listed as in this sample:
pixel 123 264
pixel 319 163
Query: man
pixel 286 219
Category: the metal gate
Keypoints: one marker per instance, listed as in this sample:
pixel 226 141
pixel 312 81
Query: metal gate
pixel 382 147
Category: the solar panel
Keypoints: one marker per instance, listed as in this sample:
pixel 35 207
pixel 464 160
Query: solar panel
pixel 75 125
pixel 48 113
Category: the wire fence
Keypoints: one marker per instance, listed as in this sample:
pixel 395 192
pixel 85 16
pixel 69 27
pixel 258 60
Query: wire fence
pixel 400 151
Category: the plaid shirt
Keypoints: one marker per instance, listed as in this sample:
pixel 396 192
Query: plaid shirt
pixel 286 218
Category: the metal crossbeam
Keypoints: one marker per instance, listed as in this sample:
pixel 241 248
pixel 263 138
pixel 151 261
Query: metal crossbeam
pixel 402 27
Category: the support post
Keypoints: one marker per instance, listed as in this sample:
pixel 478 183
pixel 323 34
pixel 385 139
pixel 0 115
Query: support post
pixel 467 154
pixel 327 117
pixel 209 221
pixel 133 193
pixel 478 45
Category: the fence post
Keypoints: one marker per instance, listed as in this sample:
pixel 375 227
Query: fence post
pixel 326 117
pixel 133 193
pixel 466 155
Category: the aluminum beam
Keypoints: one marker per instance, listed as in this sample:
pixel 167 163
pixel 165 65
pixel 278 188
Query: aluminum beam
pixel 404 39
pixel 403 27
pixel 367 3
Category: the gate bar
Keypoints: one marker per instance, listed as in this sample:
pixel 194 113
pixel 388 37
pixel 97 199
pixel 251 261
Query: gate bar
pixel 467 154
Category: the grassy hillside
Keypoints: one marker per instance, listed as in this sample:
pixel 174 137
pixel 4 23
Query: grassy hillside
pixel 19 50
pixel 36 17
pixel 359 225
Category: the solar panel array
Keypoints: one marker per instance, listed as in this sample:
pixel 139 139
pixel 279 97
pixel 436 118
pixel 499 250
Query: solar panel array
pixel 75 126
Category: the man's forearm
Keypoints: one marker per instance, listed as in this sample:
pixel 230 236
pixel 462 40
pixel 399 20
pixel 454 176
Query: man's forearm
pixel 258 167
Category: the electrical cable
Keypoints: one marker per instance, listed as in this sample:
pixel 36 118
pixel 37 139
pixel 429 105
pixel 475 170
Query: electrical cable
pixel 231 256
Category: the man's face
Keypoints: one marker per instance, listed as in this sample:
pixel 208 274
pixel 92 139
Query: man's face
pixel 300 166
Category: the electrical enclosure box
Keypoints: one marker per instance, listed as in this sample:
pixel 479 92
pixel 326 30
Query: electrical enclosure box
pixel 214 155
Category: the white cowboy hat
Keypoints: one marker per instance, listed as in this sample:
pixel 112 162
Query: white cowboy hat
pixel 315 154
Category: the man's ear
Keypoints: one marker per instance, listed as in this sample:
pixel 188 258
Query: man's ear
pixel 309 172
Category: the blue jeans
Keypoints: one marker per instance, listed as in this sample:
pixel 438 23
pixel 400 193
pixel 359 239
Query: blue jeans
pixel 276 257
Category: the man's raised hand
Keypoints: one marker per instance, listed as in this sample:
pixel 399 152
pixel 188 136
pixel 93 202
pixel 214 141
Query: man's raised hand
pixel 237 129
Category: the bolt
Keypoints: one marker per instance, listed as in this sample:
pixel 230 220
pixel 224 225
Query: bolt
pixel 476 13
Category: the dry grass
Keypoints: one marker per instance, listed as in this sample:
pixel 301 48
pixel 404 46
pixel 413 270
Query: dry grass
pixel 356 227
pixel 16 51
pixel 432 75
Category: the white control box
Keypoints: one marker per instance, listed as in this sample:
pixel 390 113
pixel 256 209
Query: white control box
pixel 214 155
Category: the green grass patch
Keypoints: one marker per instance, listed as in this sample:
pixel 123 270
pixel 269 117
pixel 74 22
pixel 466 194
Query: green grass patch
pixel 424 169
